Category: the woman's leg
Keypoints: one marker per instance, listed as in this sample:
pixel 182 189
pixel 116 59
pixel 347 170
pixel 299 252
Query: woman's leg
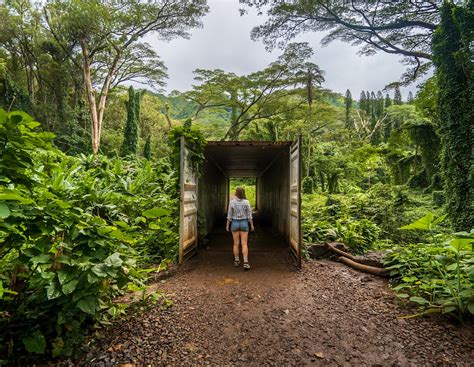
pixel 245 249
pixel 235 235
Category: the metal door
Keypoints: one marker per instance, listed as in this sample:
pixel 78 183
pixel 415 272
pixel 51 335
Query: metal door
pixel 295 200
pixel 188 231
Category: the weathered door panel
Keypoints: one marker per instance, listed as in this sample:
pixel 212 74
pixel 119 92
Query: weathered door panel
pixel 295 201
pixel 188 231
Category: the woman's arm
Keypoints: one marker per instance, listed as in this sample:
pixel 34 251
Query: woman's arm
pixel 249 216
pixel 229 218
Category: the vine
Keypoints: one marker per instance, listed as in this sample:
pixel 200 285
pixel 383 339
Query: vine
pixel 195 142
pixel 451 52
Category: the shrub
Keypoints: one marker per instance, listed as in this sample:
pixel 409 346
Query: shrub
pixel 308 185
pixel 439 276
pixel 73 234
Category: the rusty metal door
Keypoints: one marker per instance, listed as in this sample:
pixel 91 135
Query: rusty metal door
pixel 188 210
pixel 295 201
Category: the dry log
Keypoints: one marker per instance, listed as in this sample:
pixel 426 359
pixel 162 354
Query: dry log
pixel 365 268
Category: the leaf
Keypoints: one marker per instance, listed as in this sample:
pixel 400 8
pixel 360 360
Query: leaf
pixel 88 305
pixel 470 307
pixel 52 290
pixel 4 211
pixel 448 309
pixel 70 286
pixel 459 243
pixel 440 219
pixel 63 276
pixel 419 300
pixel 155 213
pixel 422 223
pixel 113 260
pixel 41 259
pixel 99 270
pixel 35 342
pixel 10 195
pixel 58 345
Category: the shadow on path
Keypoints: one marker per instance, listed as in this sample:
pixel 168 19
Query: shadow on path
pixel 269 256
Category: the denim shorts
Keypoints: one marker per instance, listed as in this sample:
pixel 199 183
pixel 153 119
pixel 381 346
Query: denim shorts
pixel 241 225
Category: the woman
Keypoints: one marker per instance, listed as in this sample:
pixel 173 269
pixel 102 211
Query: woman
pixel 239 216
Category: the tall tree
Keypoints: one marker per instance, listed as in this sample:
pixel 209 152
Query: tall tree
pixel 311 77
pixel 402 27
pixel 147 148
pixel 104 41
pixel 373 103
pixel 453 60
pixel 397 95
pixel 388 101
pixel 130 133
pixel 410 97
pixel 348 105
pixel 363 101
pixel 379 106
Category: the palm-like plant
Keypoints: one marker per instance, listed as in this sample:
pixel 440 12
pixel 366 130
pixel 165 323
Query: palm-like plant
pixel 311 76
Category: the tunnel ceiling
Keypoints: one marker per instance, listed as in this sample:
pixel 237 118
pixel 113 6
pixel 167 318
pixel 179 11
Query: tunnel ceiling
pixel 244 158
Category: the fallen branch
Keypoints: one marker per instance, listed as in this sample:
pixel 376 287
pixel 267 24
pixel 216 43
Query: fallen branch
pixel 340 252
pixel 365 268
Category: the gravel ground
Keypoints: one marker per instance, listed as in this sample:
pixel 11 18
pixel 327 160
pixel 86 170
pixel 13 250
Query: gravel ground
pixel 324 314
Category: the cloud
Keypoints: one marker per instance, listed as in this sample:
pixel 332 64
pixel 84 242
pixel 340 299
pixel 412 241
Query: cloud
pixel 224 43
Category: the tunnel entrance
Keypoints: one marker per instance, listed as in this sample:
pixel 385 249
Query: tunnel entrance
pixel 276 169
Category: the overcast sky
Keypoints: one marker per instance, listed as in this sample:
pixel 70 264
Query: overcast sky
pixel 224 43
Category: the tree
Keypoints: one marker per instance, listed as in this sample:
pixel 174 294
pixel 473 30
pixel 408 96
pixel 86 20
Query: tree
pixel 379 105
pixel 103 40
pixel 259 96
pixel 130 133
pixel 452 57
pixel 311 76
pixel 208 94
pixel 404 121
pixel 388 101
pixel 397 96
pixel 363 101
pixel 38 77
pixel 403 27
pixel 348 105
pixel 410 97
pixel 147 148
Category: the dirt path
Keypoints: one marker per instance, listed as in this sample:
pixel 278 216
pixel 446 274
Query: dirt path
pixel 324 314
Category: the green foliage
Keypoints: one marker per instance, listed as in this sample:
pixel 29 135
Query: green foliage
pixel 73 233
pixel 358 235
pixel 425 223
pixel 329 219
pixel 452 48
pixel 437 276
pixel 248 184
pixel 195 142
pixel 307 185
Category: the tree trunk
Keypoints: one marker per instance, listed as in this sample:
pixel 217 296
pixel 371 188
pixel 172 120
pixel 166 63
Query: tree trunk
pixel 321 178
pixel 91 99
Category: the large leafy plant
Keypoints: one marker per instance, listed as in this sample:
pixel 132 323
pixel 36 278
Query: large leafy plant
pixel 73 232
pixel 439 276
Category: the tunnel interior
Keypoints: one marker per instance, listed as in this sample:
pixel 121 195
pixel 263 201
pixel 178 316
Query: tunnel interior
pixel 267 162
